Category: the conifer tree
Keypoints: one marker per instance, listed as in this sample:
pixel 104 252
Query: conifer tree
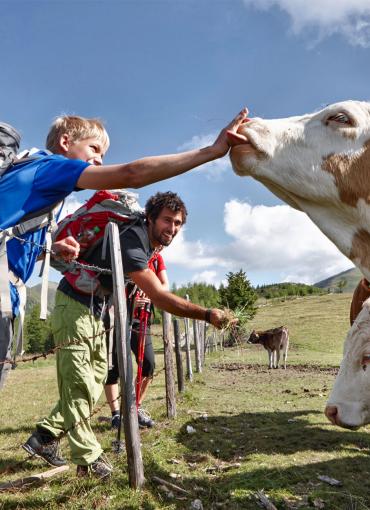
pixel 239 294
pixel 36 330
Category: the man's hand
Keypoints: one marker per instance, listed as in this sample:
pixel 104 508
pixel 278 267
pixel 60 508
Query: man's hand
pixel 141 300
pixel 224 141
pixel 67 249
pixel 222 318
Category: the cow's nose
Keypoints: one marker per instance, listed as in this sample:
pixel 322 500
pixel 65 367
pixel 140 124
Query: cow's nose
pixel 331 413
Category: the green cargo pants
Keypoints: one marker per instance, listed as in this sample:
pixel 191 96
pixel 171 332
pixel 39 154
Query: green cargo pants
pixel 81 373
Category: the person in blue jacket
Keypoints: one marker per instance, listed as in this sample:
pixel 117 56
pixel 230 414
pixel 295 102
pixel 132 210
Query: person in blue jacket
pixel 77 147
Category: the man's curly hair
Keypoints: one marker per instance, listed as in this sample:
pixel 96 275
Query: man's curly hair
pixel 156 203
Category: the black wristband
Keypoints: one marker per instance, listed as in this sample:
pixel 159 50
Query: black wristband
pixel 207 317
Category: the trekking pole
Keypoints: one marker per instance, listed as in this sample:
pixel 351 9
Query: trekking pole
pixel 143 323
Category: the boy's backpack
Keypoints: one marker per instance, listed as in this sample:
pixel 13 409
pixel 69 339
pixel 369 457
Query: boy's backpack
pixel 88 225
pixel 9 146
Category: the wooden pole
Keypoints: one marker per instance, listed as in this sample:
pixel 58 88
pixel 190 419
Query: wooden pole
pixel 204 343
pixel 168 366
pixel 180 372
pixel 198 359
pixel 214 340
pixel 189 369
pixel 131 426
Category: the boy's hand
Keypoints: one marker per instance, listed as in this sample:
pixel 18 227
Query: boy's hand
pixel 224 141
pixel 67 249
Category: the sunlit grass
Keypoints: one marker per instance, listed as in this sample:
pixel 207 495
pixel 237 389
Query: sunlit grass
pixel 254 428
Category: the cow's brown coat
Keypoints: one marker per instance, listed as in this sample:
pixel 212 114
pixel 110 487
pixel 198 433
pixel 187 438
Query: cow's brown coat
pixel 351 175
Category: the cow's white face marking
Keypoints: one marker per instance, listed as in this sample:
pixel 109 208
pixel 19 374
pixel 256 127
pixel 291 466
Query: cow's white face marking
pixel 320 164
pixel 350 394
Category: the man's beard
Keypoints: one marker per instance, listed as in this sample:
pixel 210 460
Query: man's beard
pixel 164 240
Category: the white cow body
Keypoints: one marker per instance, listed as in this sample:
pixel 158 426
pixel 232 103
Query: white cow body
pixel 320 164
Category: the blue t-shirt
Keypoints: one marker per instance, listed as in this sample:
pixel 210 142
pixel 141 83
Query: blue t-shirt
pixel 27 188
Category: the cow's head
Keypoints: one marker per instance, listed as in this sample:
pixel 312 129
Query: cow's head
pixel 254 337
pixel 318 163
pixel 348 404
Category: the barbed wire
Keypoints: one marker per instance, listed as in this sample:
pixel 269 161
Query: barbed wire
pixel 42 247
pixel 12 468
pixel 53 350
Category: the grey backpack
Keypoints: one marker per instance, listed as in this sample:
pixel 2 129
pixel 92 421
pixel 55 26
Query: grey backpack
pixel 9 146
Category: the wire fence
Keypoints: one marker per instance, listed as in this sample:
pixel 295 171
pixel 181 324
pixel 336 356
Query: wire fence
pixel 201 343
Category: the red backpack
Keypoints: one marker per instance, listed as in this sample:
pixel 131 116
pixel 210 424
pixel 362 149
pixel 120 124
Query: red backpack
pixel 87 225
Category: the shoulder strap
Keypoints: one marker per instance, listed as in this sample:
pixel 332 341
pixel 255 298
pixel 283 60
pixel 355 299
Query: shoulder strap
pixel 35 221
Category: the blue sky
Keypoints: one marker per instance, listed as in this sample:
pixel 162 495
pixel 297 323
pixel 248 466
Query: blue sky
pixel 167 75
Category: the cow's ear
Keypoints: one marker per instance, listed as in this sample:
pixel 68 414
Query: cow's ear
pixel 365 360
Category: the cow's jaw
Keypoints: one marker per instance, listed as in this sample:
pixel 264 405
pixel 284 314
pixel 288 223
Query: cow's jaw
pixel 350 394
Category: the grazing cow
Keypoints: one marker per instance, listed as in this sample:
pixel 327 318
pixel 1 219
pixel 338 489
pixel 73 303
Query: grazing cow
pixel 274 341
pixel 319 163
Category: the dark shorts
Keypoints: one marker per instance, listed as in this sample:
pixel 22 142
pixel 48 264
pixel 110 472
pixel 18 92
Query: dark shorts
pixel 149 359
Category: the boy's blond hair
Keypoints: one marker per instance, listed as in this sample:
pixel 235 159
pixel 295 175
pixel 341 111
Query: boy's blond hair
pixel 77 128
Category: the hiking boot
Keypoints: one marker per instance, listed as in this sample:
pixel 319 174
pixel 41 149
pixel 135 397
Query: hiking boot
pixel 101 468
pixel 144 419
pixel 45 446
pixel 116 421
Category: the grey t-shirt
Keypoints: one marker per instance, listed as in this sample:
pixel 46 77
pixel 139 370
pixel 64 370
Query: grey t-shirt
pixel 136 252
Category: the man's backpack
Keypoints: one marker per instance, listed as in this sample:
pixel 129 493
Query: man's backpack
pixel 88 225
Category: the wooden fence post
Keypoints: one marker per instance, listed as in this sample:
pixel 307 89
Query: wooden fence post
pixel 204 343
pixel 198 359
pixel 189 369
pixel 180 372
pixel 214 340
pixel 131 427
pixel 168 366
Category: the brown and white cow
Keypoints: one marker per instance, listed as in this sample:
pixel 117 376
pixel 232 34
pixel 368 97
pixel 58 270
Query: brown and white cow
pixel 274 341
pixel 319 163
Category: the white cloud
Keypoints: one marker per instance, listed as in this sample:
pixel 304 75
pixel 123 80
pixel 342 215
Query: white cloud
pixel 193 254
pixel 214 169
pixel 282 240
pixel 210 277
pixel 71 203
pixel 351 18
pixel 266 241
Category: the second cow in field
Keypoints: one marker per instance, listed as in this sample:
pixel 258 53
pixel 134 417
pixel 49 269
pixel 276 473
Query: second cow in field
pixel 274 341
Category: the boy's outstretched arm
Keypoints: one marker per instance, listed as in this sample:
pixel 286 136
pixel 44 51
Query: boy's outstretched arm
pixel 157 168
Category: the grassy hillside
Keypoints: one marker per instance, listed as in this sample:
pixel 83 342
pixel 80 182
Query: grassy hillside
pixel 34 293
pixel 254 429
pixel 352 277
pixel 317 325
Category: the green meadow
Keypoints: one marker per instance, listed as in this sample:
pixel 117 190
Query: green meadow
pixel 254 429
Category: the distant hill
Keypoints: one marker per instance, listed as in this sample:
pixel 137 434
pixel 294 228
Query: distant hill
pixel 287 289
pixel 352 277
pixel 34 295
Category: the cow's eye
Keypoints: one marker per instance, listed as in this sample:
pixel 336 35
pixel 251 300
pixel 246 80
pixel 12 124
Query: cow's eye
pixel 365 361
pixel 340 118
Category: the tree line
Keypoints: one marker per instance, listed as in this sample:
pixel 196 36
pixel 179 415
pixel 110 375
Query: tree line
pixel 236 293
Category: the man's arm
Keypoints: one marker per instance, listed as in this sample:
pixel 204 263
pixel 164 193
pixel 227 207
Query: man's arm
pixel 148 282
pixel 163 278
pixel 157 168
